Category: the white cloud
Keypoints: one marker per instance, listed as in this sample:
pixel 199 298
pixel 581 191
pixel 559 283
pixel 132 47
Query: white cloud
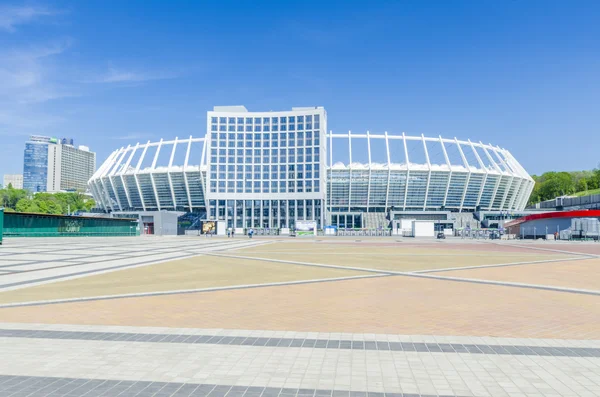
pixel 114 75
pixel 11 16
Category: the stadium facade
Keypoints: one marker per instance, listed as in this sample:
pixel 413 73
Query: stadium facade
pixel 273 169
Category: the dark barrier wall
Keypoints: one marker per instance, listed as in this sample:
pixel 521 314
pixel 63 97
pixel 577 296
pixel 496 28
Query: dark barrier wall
pixel 1 223
pixel 42 225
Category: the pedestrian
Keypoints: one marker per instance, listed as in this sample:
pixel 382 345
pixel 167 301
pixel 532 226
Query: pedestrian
pixel 251 232
pixel 232 232
pixel 228 232
pixel 555 236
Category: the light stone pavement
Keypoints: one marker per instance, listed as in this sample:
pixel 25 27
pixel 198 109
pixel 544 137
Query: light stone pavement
pixel 41 357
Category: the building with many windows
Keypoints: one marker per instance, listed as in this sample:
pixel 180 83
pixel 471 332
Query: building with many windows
pixel 273 169
pixel 51 166
pixel 14 180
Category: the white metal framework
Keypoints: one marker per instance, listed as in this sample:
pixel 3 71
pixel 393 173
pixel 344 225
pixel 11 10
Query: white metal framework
pixel 267 185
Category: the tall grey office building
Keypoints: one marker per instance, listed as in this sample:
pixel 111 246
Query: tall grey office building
pixel 52 165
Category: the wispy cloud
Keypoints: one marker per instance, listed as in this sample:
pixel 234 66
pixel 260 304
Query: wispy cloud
pixel 27 75
pixel 11 16
pixel 114 75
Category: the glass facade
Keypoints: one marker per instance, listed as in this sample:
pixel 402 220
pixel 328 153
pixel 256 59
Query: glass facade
pixel 272 162
pixel 35 166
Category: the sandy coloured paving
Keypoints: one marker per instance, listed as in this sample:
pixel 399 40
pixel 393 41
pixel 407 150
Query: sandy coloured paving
pixel 191 273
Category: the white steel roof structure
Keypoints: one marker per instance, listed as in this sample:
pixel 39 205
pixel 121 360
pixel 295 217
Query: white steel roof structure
pixel 441 172
pixel 271 157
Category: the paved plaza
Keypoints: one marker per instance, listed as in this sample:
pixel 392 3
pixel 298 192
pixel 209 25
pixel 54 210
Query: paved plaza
pixel 352 317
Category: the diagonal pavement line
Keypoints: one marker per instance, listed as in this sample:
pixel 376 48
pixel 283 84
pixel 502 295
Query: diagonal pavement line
pixel 550 250
pixel 362 269
pixel 448 269
pixel 188 291
pixel 69 276
pixel 421 275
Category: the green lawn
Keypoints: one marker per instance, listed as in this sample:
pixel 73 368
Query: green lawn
pixel 587 193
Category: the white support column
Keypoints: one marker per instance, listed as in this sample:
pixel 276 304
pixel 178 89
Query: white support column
pixel 137 168
pixel 169 174
pixel 389 163
pixel 112 207
pixel 468 167
pixel 510 182
pixel 369 182
pixel 152 176
pixel 185 179
pixel 515 194
pixel 483 167
pixel 350 168
pixel 330 172
pixel 499 175
pixel 449 170
pixel 125 186
pixel 202 163
pixel 407 170
pixel 110 175
pixel 429 175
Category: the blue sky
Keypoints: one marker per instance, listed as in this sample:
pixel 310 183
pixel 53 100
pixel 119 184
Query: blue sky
pixel 523 75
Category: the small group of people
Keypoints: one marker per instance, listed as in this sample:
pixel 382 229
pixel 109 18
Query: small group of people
pixel 231 232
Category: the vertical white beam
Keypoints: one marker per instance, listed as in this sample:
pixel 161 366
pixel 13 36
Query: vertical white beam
pixel 185 179
pixel 389 164
pixel 137 181
pixel 330 172
pixel 369 182
pixel 110 179
pixel 125 186
pixel 483 167
pixel 516 191
pixel 152 172
pixel 350 168
pixel 169 173
pixel 407 170
pixel 499 175
pixel 429 175
pixel 449 172
pixel 205 191
pixel 468 167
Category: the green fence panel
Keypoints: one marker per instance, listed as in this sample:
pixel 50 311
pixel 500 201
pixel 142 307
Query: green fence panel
pixel 42 225
pixel 1 224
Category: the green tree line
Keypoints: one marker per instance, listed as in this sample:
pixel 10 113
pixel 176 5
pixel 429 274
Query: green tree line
pixel 21 200
pixel 554 184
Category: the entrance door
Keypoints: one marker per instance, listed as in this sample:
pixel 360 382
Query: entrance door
pixel 148 227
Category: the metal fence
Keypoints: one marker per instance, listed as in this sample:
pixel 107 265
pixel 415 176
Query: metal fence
pixel 18 224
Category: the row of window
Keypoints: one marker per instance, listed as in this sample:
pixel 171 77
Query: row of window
pixel 266 160
pixel 265 168
pixel 266 120
pixel 265 137
pixel 266 128
pixel 264 175
pixel 300 186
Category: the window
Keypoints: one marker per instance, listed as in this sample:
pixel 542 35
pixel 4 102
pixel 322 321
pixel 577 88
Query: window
pixel 231 120
pixel 248 128
pixel 248 120
pixel 257 120
pixel 240 120
pixel 301 119
pixel 213 120
pixel 222 127
pixel 213 127
pixel 257 128
pixel 222 120
pixel 283 120
pixel 240 128
pixel 266 120
pixel 283 127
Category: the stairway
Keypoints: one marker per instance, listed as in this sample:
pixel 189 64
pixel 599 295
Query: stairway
pixel 374 220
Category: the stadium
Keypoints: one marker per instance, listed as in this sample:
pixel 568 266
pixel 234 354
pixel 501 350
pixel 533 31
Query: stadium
pixel 274 169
